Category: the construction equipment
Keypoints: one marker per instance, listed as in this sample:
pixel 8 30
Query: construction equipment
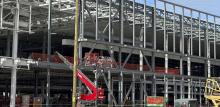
pixel 96 93
pixel 212 91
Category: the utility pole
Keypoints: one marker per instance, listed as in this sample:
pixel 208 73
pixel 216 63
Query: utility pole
pixel 75 60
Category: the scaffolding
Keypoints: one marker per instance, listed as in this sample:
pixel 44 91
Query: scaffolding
pixel 157 36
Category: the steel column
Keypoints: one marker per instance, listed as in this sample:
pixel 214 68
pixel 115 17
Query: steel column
pixel 30 19
pixel 155 35
pixel 83 18
pixel 133 90
pixel 154 47
pixel 207 36
pixel 82 31
pixel 141 93
pixel 154 86
pixel 122 22
pixel 191 33
pixel 81 35
pixel 121 79
pixel 182 52
pixel 110 22
pixel 36 83
pixel 8 49
pixel 200 93
pixel 189 61
pixel 209 68
pixel 166 50
pixel 214 37
pixel 141 69
pixel 120 54
pixel 145 92
pixel 207 46
pixel 181 73
pixel 109 89
pixel 1 14
pixel 174 28
pixel 155 24
pixel 96 84
pixel 14 56
pixel 48 54
pixel 199 34
pixel 133 23
pixel 189 74
pixel 121 89
pixel 96 21
pixel 164 28
pixel 165 78
pixel 175 90
pixel 145 3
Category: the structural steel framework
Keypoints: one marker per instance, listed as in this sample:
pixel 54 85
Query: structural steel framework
pixel 148 28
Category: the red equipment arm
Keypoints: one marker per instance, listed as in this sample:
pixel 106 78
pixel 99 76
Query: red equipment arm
pixel 90 85
pixel 87 82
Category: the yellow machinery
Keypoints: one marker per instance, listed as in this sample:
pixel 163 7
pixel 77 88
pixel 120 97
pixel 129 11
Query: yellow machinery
pixel 212 91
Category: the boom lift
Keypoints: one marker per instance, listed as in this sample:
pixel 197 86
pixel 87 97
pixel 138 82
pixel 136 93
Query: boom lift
pixel 212 91
pixel 96 93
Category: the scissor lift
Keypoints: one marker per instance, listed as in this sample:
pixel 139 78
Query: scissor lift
pixel 212 91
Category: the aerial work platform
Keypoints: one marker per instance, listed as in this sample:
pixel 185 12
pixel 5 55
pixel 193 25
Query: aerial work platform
pixel 212 91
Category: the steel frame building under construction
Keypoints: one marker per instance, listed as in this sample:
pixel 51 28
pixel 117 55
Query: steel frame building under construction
pixel 155 48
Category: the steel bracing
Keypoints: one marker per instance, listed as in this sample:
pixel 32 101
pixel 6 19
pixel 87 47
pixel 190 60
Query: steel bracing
pixel 149 29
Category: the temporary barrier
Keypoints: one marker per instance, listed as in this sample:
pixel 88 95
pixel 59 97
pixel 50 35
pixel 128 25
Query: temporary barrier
pixel 154 101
